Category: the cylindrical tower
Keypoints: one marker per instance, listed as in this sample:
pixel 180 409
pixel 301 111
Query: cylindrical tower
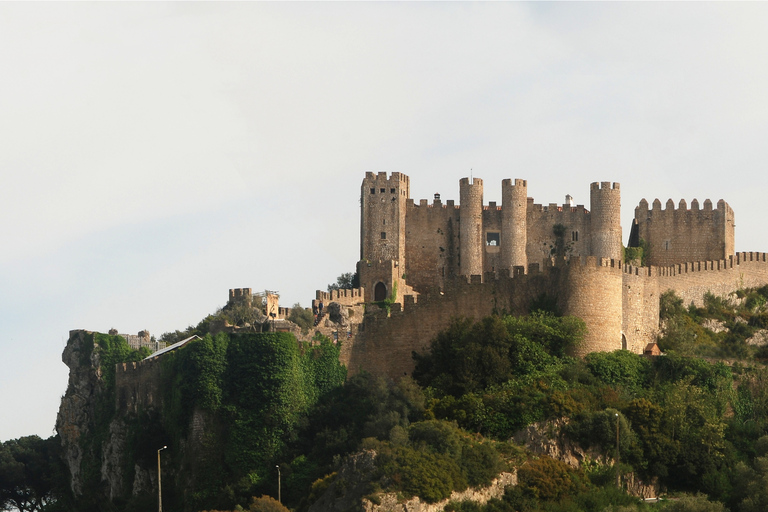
pixel 514 229
pixel 605 204
pixel 471 231
pixel 594 294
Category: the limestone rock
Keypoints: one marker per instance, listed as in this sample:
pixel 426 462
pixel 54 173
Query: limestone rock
pixel 347 490
pixel 716 326
pixel 338 314
pixel 760 338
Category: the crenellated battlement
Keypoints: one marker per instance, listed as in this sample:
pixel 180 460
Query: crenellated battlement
pixel 347 297
pixel 381 177
pixel 475 182
pixel 682 206
pixel 554 207
pixel 604 186
pixel 677 233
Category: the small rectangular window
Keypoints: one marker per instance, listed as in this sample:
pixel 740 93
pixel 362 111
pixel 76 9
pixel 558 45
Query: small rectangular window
pixel 575 236
pixel 383 235
pixel 373 191
pixel 382 191
pixel 492 238
pixel 391 191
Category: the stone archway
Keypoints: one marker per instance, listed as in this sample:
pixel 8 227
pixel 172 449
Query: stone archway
pixel 380 291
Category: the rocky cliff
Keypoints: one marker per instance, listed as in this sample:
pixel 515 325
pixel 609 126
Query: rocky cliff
pixel 94 438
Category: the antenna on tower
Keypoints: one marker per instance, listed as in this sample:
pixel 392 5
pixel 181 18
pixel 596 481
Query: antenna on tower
pixel 471 178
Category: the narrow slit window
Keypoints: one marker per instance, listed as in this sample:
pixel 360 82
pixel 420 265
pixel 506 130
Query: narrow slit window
pixel 383 235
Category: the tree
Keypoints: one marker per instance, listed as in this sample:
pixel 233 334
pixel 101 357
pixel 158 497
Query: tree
pixel 266 504
pixel 301 317
pixel 345 281
pixel 470 357
pixel 29 473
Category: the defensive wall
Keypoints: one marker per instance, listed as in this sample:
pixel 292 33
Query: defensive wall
pixel 587 287
pixel 691 281
pixel 137 385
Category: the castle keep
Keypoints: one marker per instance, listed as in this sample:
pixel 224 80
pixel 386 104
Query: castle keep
pixel 433 244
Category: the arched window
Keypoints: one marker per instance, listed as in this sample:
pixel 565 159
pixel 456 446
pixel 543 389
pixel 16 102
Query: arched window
pixel 380 291
pixel 623 342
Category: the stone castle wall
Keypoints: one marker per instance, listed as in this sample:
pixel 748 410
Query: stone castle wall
pixel 642 287
pixel 385 343
pixel 432 243
pixel 682 234
pixel 137 385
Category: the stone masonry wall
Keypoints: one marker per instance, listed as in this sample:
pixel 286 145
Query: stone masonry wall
pixel 643 286
pixel 442 240
pixel 591 289
pixel 692 280
pixel 681 234
pixel 640 308
pixel 137 385
pixel 541 238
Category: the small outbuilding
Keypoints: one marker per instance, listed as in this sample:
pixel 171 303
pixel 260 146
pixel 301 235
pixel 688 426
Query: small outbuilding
pixel 652 349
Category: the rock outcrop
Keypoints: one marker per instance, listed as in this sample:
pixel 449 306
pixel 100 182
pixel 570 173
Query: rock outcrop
pixel 349 491
pixel 77 410
pixel 546 438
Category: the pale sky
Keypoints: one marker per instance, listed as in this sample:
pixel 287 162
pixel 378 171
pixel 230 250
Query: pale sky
pixel 154 155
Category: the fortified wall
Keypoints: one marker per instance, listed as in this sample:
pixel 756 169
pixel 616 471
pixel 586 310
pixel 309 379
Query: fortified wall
pixel 676 235
pixel 386 340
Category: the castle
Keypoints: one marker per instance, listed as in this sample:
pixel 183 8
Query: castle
pixel 433 261
pixel 427 263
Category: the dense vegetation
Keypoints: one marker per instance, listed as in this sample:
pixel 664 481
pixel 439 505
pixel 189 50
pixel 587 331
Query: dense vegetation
pixel 697 427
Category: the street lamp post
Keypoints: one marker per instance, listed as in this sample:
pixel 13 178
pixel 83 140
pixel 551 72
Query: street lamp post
pixel 279 500
pixel 618 481
pixel 159 486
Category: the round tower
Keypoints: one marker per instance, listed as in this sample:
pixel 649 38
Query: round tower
pixel 514 229
pixel 594 293
pixel 605 205
pixel 471 231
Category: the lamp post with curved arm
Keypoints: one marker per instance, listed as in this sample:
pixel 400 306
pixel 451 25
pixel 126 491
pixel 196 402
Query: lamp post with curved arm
pixel 279 500
pixel 618 476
